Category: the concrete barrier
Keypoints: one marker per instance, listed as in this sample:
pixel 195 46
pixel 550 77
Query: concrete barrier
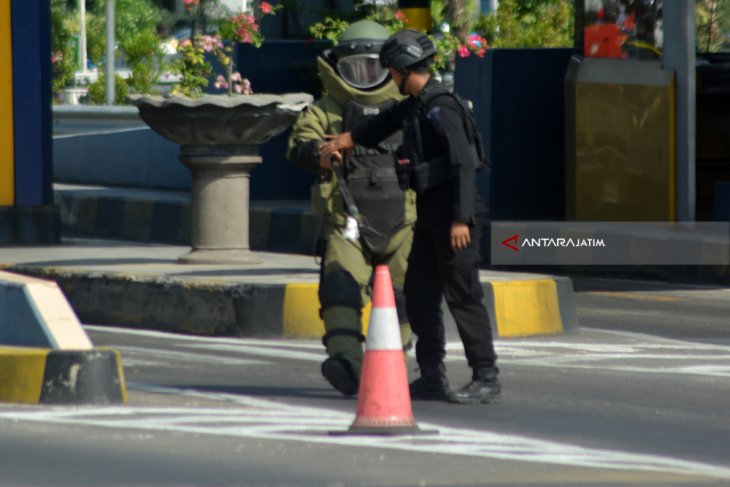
pixel 45 355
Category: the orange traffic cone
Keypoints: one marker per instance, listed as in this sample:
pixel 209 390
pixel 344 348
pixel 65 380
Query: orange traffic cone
pixel 384 402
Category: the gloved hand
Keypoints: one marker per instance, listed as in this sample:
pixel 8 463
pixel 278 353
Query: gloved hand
pixel 403 168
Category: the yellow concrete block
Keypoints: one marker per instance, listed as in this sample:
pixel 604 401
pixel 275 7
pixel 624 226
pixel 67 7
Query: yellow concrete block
pixel 301 312
pixel 120 374
pixel 524 308
pixel 21 374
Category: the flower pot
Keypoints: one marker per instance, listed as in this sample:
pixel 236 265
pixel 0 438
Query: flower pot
pixel 219 139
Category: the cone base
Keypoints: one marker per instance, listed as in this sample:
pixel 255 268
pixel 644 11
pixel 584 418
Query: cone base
pixel 384 431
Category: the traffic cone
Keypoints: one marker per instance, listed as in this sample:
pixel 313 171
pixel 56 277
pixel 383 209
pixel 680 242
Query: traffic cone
pixel 384 402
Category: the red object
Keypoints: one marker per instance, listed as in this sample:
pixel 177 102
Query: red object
pixel 602 40
pixel 511 242
pixel 383 402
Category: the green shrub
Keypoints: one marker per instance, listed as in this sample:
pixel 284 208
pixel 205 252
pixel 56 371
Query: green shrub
pixel 62 49
pixel 97 90
pixel 536 23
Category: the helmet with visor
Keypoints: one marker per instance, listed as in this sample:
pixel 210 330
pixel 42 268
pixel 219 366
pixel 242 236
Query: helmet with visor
pixel 356 56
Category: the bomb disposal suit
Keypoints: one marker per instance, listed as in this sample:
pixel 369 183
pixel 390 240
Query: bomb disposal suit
pixel 357 88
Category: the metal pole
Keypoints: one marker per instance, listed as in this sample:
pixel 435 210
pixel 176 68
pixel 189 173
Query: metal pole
pixel 679 55
pixel 110 41
pixel 82 35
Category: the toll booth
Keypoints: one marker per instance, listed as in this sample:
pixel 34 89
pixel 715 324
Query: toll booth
pixel 620 117
pixel 620 135
pixel 621 120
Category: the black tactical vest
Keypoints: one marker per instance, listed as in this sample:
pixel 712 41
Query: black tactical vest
pixel 371 177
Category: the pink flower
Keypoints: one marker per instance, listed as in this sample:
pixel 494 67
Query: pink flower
pixel 57 57
pixel 220 82
pixel 477 42
pixel 399 15
pixel 463 51
pixel 210 43
pixel 246 87
pixel 266 8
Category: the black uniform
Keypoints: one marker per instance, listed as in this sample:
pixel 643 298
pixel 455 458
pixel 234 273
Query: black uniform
pixel 434 269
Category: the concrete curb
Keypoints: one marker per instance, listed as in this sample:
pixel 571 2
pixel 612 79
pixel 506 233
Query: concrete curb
pixel 521 306
pixel 517 307
pixel 33 375
pixel 164 217
pixel 30 225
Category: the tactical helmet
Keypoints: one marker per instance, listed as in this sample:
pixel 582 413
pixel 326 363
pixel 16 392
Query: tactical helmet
pixel 356 56
pixel 406 48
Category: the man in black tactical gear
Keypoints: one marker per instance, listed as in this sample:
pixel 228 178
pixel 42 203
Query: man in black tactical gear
pixel 368 217
pixel 439 158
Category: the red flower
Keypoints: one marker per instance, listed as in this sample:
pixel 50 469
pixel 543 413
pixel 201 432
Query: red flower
pixel 266 8
pixel 399 15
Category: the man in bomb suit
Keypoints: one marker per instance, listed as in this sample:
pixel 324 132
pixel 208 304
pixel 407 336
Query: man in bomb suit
pixel 368 218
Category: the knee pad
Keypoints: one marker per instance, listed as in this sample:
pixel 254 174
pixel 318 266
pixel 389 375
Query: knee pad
pixel 339 288
pixel 342 332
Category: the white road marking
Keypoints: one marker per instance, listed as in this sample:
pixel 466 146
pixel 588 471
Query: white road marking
pixel 255 418
pixel 144 354
pixel 261 350
pixel 167 336
pixel 647 353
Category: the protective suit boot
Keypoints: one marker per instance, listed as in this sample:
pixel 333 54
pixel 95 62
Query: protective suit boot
pixel 432 385
pixel 340 374
pixel 483 388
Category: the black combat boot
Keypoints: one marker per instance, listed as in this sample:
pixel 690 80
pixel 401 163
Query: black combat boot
pixel 340 374
pixel 483 388
pixel 433 384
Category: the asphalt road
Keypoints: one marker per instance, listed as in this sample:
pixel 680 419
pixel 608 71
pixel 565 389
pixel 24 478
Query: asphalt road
pixel 638 397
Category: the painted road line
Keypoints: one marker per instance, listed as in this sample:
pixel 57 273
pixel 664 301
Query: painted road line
pixel 255 418
pixel 262 351
pixel 647 354
pixel 636 296
pixel 188 359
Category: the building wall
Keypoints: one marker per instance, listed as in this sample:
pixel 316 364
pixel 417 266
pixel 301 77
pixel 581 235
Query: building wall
pixel 27 214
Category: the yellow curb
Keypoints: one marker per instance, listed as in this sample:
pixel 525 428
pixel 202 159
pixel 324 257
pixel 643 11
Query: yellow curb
pixel 521 308
pixel 524 308
pixel 21 374
pixel 301 312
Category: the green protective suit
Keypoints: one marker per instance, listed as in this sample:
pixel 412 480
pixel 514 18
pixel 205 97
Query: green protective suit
pixel 347 266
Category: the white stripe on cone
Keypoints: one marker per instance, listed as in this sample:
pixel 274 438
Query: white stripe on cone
pixel 384 330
